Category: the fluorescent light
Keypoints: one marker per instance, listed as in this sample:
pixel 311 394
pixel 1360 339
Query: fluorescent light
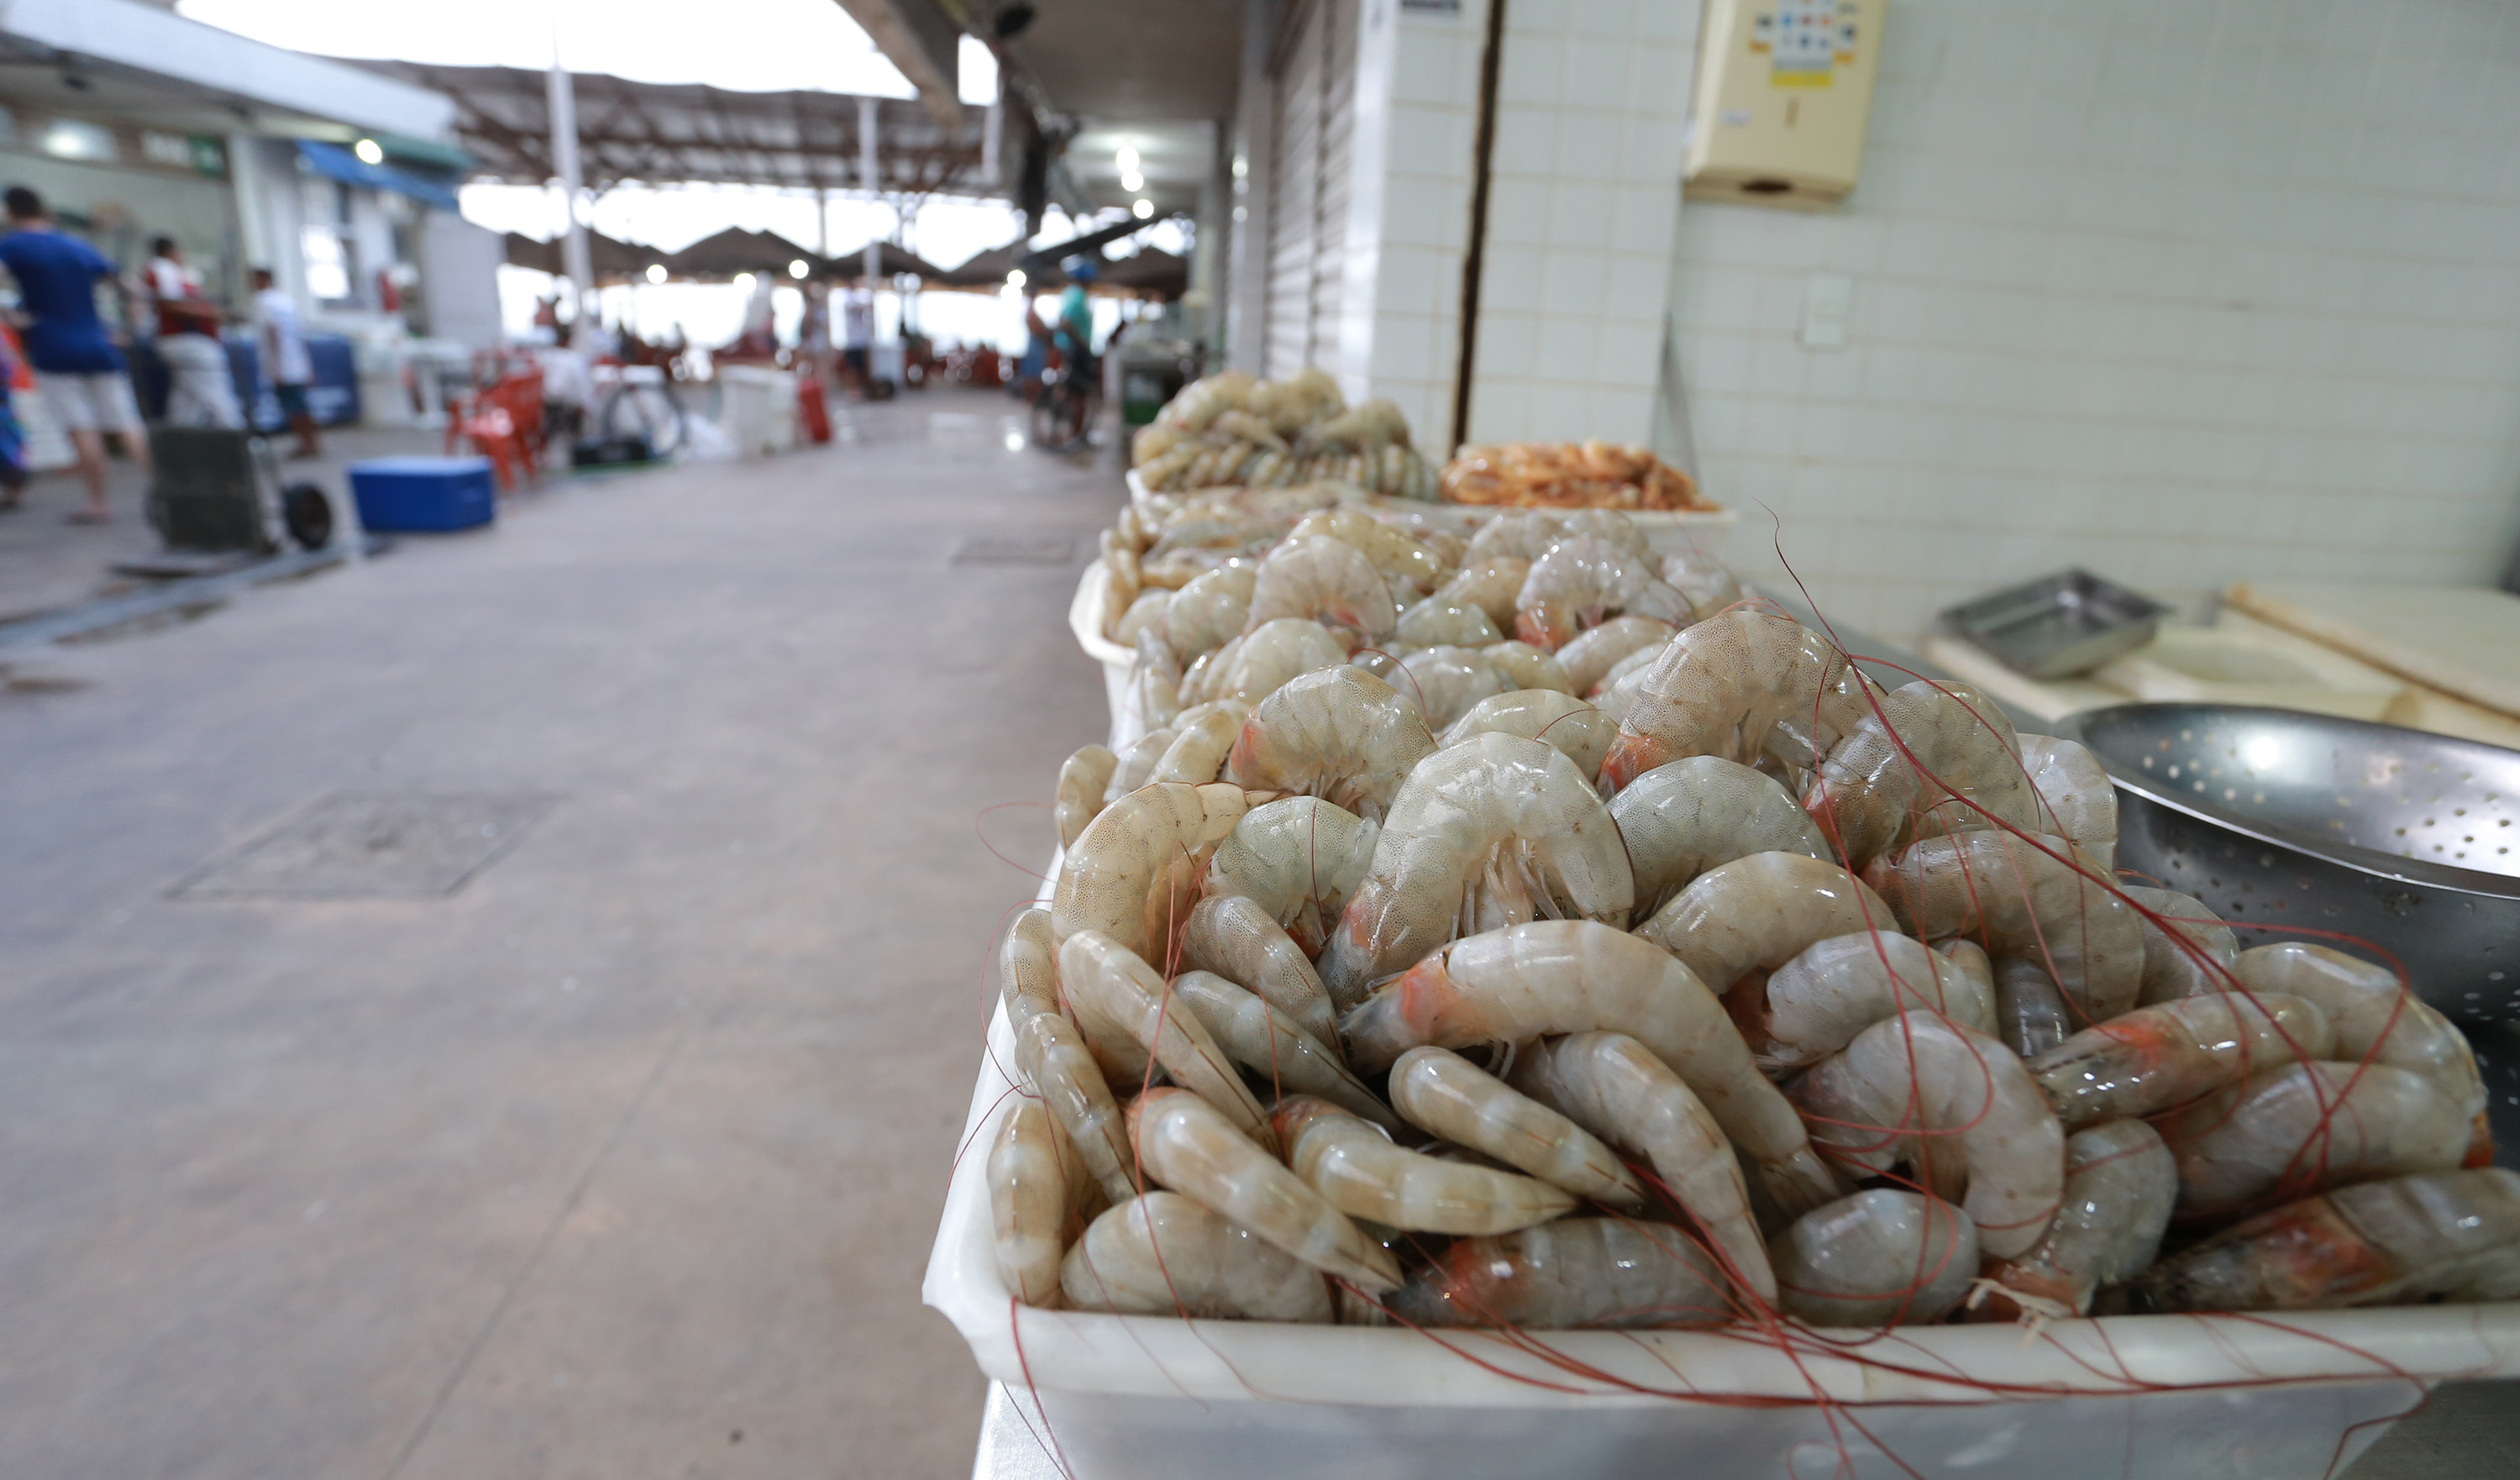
pixel 1143 209
pixel 656 272
pixel 798 268
pixel 369 151
pixel 1128 158
pixel 975 69
pixel 1131 181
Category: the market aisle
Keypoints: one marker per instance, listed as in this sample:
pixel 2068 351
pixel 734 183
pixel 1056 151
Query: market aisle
pixel 624 1159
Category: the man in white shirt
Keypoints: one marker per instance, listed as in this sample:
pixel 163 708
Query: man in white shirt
pixel 203 392
pixel 284 359
pixel 857 333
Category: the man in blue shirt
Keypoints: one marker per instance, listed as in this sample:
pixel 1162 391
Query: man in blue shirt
pixel 86 384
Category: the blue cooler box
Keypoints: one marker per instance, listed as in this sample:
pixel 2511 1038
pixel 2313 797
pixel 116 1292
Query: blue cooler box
pixel 424 493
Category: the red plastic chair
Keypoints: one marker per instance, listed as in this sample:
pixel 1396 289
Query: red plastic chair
pixel 504 423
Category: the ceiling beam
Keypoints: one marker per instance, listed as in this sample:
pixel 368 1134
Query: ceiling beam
pixel 920 38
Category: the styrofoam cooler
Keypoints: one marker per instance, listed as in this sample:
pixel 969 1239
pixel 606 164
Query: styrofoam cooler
pixel 760 408
pixel 424 494
pixel 2289 1397
pixel 1089 618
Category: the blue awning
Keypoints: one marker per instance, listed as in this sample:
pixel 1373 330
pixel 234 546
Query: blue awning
pixel 348 168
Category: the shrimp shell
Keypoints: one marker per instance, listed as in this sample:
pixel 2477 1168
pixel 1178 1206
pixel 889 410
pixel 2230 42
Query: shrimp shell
pixel 1493 831
pixel 1341 735
pixel 1326 581
pixel 1446 619
pixel 1401 560
pixel 1924 745
pixel 2172 970
pixel 1707 582
pixel 1589 657
pixel 1185 1144
pixel 1299 857
pixel 2120 1186
pixel 1443 683
pixel 2075 792
pixel 2021 897
pixel 1029 1201
pixel 1215 606
pixel 1740 684
pixel 1613 1087
pixel 2307 1127
pixel 1580 582
pixel 1490 585
pixel 1202 735
pixel 2030 1013
pixel 1052 1057
pixel 1082 778
pixel 2376 1021
pixel 1352 1162
pixel 1114 994
pixel 1135 765
pixel 1237 939
pixel 1439 1091
pixel 1813 1005
pixel 1576 977
pixel 1560 720
pixel 1520 665
pixel 1164 1254
pixel 1273 654
pixel 1574 1272
pixel 2439 1236
pixel 1957 1104
pixel 1761 910
pixel 2154 1058
pixel 1271 1045
pixel 1884 1257
pixel 1136 871
pixel 1681 820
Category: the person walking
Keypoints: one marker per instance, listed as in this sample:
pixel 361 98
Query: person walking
pixel 857 336
pixel 285 360
pixel 83 378
pixel 203 388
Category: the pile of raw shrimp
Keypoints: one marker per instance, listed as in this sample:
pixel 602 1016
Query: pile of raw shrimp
pixel 1654 966
pixel 1230 428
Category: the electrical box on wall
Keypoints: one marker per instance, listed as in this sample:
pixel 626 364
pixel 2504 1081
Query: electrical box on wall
pixel 1785 90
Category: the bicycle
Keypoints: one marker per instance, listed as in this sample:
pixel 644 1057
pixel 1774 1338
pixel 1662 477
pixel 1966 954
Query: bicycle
pixel 642 404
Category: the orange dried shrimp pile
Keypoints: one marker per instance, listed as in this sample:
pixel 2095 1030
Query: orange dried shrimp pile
pixel 1568 476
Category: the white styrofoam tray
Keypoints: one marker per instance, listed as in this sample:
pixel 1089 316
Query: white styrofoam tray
pixel 2291 1397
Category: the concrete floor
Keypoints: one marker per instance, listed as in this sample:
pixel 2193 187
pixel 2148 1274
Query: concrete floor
pixel 623 1160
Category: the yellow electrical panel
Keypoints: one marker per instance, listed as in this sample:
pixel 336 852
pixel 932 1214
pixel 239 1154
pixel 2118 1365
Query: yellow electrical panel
pixel 1785 90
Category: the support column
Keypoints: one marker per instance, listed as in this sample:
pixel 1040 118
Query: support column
pixel 575 256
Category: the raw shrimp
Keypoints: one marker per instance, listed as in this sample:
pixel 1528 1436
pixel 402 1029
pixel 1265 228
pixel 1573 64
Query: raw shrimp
pixel 1341 735
pixel 1884 1257
pixel 1570 1273
pixel 2155 1058
pixel 1526 534
pixel 1813 1005
pixel 1328 581
pixel 1903 765
pixel 1613 1087
pixel 1145 614
pixel 1440 1091
pixel 1443 683
pixel 1490 585
pixel 1442 619
pixel 1135 765
pixel 1742 683
pixel 1588 658
pixel 1618 692
pixel 1520 665
pixel 1054 1057
pixel 2075 792
pixel 1299 857
pixel 1115 995
pixel 1153 695
pixel 1081 780
pixel 2120 1184
pixel 2376 1021
pixel 1237 938
pixel 1575 976
pixel 1352 1163
pixel 1493 831
pixel 1029 1200
pixel 2031 1016
pixel 1205 674
pixel 2020 897
pixel 1202 735
pixel 1402 561
pixel 1581 582
pixel 2439 1236
pixel 1136 871
pixel 1215 606
pixel 1706 581
pixel 1271 1045
pixel 1681 820
pixel 1165 1255
pixel 1556 719
pixel 1761 910
pixel 1957 1107
pixel 1185 1144
pixel 2171 971
pixel 1270 655
pixel 2307 1127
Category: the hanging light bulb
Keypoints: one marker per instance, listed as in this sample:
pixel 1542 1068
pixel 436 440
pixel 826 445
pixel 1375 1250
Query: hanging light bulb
pixel 1143 209
pixel 1128 158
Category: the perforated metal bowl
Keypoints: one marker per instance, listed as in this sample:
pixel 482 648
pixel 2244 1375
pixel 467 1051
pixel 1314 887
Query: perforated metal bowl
pixel 2286 821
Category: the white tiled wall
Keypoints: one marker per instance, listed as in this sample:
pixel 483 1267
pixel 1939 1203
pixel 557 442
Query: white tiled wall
pixel 2185 291
pixel 1591 98
pixel 1416 336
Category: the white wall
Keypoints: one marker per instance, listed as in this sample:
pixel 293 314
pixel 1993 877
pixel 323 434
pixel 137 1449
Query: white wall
pixel 2184 292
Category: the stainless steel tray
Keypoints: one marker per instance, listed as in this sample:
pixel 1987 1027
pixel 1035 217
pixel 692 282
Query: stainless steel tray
pixel 2058 625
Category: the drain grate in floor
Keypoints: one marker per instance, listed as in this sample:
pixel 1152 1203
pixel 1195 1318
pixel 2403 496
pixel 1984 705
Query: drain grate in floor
pixel 1013 549
pixel 374 845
